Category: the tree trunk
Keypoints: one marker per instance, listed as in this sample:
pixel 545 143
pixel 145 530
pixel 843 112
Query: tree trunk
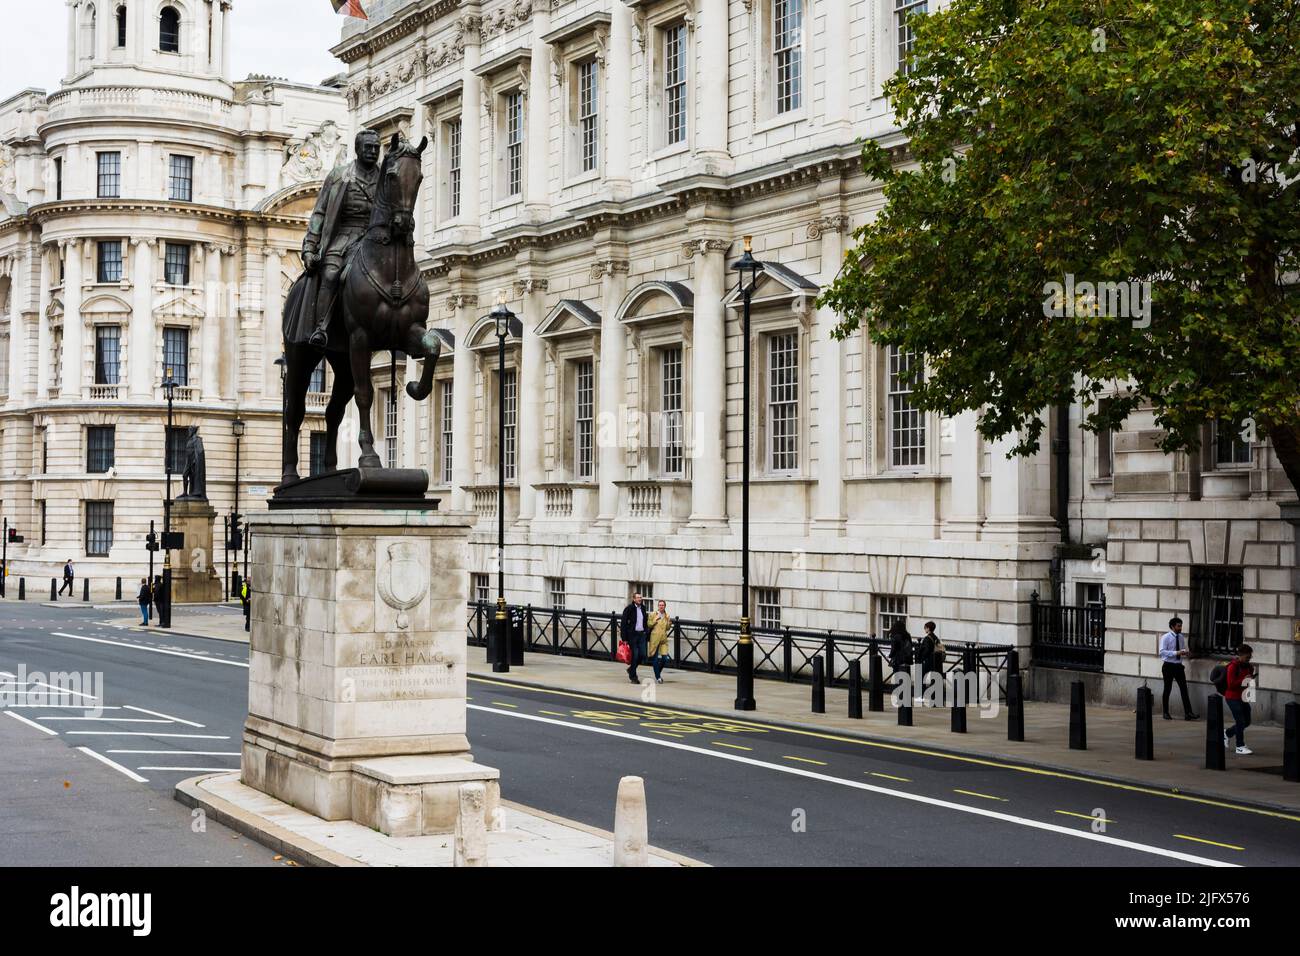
pixel 1286 445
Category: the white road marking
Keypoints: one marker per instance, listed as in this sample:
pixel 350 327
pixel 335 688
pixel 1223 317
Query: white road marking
pixel 179 720
pixel 32 723
pixel 140 733
pixel 116 720
pixel 871 788
pixel 181 753
pixel 62 691
pixel 116 766
pixel 154 650
pixel 67 706
pixel 191 769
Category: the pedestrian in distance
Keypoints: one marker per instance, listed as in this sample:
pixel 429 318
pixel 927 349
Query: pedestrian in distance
pixel 157 591
pixel 144 599
pixel 68 575
pixel 1173 653
pixel 900 648
pixel 660 626
pixel 636 633
pixel 1238 673
pixel 927 650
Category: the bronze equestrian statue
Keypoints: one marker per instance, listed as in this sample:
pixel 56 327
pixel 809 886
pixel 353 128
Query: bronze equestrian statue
pixel 361 292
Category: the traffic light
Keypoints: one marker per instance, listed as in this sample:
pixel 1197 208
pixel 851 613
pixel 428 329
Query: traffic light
pixel 151 541
pixel 15 537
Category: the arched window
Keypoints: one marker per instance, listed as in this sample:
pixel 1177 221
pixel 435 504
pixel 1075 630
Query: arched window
pixel 121 26
pixel 88 34
pixel 169 30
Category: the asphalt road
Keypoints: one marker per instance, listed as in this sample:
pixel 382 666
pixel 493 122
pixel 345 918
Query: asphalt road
pixel 724 792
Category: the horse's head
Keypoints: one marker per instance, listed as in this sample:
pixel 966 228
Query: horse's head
pixel 400 178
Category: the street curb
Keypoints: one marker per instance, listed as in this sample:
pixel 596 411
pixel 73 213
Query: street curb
pixel 269 835
pixel 1029 764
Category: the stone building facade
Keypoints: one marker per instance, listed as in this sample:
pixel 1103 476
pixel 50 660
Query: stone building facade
pixel 153 212
pixel 599 161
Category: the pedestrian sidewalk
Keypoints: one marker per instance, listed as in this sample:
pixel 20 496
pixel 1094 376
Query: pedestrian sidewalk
pixel 223 622
pixel 1179 764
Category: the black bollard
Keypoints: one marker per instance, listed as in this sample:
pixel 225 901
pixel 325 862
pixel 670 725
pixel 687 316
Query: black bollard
pixel 905 711
pixel 959 702
pixel 1144 743
pixel 1078 718
pixel 1015 706
pixel 1013 662
pixel 54 589
pixel 1290 744
pixel 818 686
pixel 85 589
pixel 22 589
pixel 876 679
pixel 855 690
pixel 969 665
pixel 1215 751
pixel 119 589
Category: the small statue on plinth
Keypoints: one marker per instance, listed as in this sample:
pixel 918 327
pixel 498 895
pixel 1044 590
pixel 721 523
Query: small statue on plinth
pixel 195 476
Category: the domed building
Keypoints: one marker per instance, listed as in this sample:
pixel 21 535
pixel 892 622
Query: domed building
pixel 153 208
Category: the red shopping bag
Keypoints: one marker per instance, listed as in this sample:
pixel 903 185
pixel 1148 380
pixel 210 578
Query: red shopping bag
pixel 624 653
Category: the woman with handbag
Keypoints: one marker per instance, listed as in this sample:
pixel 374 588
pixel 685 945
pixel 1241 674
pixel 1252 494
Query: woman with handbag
pixel 660 625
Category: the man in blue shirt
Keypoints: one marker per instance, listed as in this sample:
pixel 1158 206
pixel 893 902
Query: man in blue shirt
pixel 636 634
pixel 1173 651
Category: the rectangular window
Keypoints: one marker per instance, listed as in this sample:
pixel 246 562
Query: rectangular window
pixel 905 34
pixel 181 180
pixel 647 592
pixel 767 608
pixel 316 465
pixel 482 588
pixel 514 143
pixel 177 263
pixel 58 179
pixel 109 261
pixel 177 437
pixel 890 608
pixel 787 47
pixel 100 448
pixel 108 351
pixel 44 540
pixel 509 396
pixel 110 175
pixel 453 168
pixel 584 431
pixel 1105 450
pixel 906 422
pixel 1230 450
pixel 448 436
pixel 589 113
pixel 670 371
pixel 390 429
pixel 317 381
pixel 675 84
pixel 99 528
pixel 121 27
pixel 555 592
pixel 1217 609
pixel 176 355
pixel 783 401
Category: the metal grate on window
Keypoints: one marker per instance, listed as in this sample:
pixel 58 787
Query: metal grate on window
pixel 783 401
pixel 176 354
pixel 675 83
pixel 509 399
pixel 100 448
pixel 108 352
pixel 1218 609
pixel 906 421
pixel 110 175
pixel 555 591
pixel 99 528
pixel 453 167
pixel 482 588
pixel 182 178
pixel 906 34
pixel 890 608
pixel 767 605
pixel 176 265
pixel 448 435
pixel 514 143
pixel 584 419
pixel 670 366
pixel 787 47
pixel 109 261
pixel 588 113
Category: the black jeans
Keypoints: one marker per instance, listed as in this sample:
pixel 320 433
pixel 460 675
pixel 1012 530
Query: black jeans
pixel 1241 714
pixel 1176 672
pixel 638 644
pixel 67 583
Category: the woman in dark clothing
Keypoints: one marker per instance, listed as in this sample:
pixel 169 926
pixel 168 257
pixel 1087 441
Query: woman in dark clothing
pixel 144 599
pixel 900 647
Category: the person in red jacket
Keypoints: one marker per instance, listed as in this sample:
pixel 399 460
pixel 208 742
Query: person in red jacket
pixel 1240 669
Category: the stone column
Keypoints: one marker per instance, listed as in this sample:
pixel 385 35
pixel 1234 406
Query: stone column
pixel 225 40
pixel 272 336
pixel 142 324
pixel 830 373
pixel 210 335
pixel 610 408
pixel 47 276
pixel 1019 495
pixel 70 386
pixel 462 399
pixel 536 199
pixel 963 523
pixel 712 46
pixel 471 125
pixel 837 124
pixel 105 27
pixel 708 384
pixel 618 91
pixel 72 36
pixel 531 395
pixel 13 390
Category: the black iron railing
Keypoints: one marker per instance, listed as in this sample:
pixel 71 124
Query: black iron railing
pixel 1071 637
pixel 779 653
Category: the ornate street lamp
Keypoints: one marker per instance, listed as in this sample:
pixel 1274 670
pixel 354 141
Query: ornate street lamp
pixel 165 609
pixel 236 535
pixel 506 322
pixel 748 269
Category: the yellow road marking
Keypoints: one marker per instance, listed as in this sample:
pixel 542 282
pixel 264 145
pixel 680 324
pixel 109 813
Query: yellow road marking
pixel 1226 846
pixel 820 763
pixel 607 723
pixel 723 743
pixel 501 703
pixel 882 745
pixel 985 796
pixel 888 777
pixel 1083 816
pixel 552 713
pixel 667 733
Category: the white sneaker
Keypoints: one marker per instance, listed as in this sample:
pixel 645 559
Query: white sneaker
pixel 1244 751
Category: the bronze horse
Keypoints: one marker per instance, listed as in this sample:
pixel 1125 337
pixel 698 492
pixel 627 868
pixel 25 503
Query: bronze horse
pixel 384 304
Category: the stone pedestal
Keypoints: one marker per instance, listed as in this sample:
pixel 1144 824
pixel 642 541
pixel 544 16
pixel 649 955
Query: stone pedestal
pixel 194 572
pixel 356 694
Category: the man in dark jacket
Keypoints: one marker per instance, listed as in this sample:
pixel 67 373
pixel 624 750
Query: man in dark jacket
pixel 636 632
pixel 900 647
pixel 68 575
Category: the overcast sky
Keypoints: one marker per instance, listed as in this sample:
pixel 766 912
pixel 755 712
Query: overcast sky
pixel 289 38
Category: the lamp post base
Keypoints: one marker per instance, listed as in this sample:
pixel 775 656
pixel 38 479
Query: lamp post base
pixel 745 670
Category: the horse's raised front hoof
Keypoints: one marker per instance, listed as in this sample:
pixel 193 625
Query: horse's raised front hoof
pixel 416 392
pixel 370 461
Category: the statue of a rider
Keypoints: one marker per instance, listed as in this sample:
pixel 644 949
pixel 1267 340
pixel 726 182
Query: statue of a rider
pixel 339 221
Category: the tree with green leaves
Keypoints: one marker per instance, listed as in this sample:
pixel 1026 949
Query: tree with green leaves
pixel 1100 195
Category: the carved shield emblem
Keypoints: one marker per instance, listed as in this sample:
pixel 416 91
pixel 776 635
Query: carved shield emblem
pixel 404 582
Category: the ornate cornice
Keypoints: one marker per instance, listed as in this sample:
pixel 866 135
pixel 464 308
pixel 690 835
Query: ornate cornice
pixel 390 31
